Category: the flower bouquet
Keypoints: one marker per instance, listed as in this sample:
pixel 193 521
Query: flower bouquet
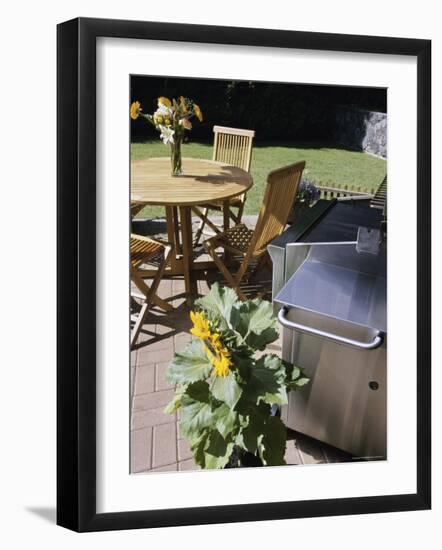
pixel 171 119
pixel 225 390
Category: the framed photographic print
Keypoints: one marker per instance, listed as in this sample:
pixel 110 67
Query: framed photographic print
pixel 236 340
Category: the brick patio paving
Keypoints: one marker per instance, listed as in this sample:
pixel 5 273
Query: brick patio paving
pixel 156 442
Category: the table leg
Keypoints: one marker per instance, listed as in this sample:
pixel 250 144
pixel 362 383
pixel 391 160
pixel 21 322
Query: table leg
pixel 186 234
pixel 226 216
pixel 176 229
pixel 172 232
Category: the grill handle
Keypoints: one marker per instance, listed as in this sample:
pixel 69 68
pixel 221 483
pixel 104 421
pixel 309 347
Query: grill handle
pixel 375 343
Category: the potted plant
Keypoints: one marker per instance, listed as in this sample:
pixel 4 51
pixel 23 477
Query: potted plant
pixel 225 388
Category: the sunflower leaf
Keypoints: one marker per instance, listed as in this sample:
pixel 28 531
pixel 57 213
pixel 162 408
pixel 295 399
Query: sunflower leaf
pixel 266 382
pixel 218 451
pixel 271 447
pixel 195 416
pixel 218 303
pixel 226 389
pixel 255 322
pixel 190 365
pixel 226 420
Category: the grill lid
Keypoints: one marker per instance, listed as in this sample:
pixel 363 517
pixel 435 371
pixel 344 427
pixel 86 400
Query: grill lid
pixel 336 281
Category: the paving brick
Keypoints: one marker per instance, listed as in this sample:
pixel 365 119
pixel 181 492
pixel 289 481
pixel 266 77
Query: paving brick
pixel 151 417
pixel 187 465
pixel 160 377
pixel 184 451
pixel 157 342
pixel 146 355
pixel 309 450
pixel 165 289
pixel 292 455
pixel 132 380
pixel 147 332
pixel 168 468
pixel 178 286
pixel 179 434
pixel 141 450
pixel 144 379
pixel 181 340
pixel 164 445
pixel 164 329
pixel 152 400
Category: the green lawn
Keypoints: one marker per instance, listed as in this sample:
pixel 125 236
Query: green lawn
pixel 325 165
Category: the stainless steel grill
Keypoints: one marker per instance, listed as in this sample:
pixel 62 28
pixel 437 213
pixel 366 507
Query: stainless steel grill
pixel 333 310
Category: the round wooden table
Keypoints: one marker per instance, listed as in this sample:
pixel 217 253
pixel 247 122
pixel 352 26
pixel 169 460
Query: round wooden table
pixel 203 181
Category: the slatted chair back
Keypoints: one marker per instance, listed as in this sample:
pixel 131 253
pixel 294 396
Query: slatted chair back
pixel 279 196
pixel 233 146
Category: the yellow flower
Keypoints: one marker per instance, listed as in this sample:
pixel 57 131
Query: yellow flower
pixel 183 105
pixel 219 356
pixel 135 109
pixel 158 119
pixel 167 121
pixel 164 101
pixel 198 112
pixel 201 327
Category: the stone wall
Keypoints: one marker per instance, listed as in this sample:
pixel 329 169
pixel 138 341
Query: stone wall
pixel 361 130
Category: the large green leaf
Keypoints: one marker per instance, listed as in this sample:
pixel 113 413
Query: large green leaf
pixel 218 450
pixel 255 322
pixel 175 404
pixel 226 420
pixel 266 382
pixel 295 377
pixel 199 391
pixel 197 446
pixel 302 381
pixel 195 416
pixel 190 365
pixel 218 303
pixel 249 435
pixel 226 389
pixel 272 445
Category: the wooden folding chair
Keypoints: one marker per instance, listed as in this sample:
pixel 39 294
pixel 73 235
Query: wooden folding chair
pixel 232 146
pixel 135 207
pixel 251 246
pixel 144 250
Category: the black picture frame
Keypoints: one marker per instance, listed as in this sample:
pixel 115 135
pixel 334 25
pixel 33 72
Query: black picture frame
pixel 76 273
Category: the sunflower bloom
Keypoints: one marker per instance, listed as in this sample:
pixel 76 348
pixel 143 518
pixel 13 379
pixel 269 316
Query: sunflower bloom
pixel 219 356
pixel 164 101
pixel 221 366
pixel 201 327
pixel 198 112
pixel 135 109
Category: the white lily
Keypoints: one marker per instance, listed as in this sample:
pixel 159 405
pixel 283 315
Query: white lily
pixel 163 110
pixel 166 134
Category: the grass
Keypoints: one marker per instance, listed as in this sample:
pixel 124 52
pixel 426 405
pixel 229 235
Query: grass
pixel 325 165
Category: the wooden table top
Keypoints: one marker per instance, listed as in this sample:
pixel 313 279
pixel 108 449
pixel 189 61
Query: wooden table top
pixel 203 181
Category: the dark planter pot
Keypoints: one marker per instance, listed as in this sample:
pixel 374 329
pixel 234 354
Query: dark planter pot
pixel 243 459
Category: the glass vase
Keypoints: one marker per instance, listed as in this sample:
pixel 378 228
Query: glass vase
pixel 175 156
